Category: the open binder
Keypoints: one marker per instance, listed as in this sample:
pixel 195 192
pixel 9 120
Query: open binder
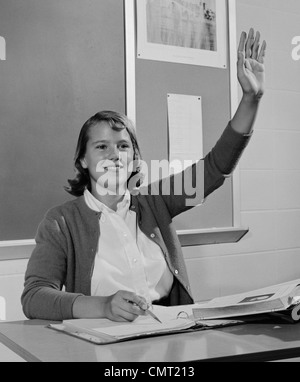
pixel 281 301
pixel 177 319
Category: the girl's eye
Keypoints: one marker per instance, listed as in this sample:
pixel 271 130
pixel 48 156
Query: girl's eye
pixel 101 147
pixel 124 146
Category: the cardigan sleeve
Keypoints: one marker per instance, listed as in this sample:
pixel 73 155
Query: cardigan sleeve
pixel 43 297
pixel 206 175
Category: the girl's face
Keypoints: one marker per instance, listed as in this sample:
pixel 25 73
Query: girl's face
pixel 108 158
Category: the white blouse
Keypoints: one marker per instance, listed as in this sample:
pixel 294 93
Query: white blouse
pixel 126 258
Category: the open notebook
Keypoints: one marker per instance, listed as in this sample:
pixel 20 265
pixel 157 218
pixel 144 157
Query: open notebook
pixel 103 331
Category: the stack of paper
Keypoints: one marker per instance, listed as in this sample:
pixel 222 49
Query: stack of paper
pixel 277 298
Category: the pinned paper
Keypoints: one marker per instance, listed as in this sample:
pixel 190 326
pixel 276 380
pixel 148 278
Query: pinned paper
pixel 185 129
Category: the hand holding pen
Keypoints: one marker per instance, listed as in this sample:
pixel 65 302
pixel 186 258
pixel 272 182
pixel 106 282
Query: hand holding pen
pixel 149 312
pixel 126 306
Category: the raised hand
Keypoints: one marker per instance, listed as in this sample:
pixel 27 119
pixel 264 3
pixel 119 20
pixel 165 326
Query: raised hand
pixel 251 69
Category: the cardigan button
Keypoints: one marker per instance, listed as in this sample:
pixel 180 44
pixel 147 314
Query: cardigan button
pixel 152 235
pixel 176 272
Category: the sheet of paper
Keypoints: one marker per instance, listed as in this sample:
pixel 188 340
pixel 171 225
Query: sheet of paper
pixel 185 129
pixel 270 293
pixel 143 324
pixel 175 318
pixel 269 299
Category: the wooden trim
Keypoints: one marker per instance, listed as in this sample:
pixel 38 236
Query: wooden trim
pixel 234 99
pixel 129 6
pixel 17 251
pixel 212 236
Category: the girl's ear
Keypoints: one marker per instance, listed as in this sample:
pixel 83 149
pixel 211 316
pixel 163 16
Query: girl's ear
pixel 136 164
pixel 83 163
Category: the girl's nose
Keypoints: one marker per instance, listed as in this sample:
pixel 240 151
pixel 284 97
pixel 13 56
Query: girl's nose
pixel 114 154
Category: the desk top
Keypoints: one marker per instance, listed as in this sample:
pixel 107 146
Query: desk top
pixel 7 355
pixel 34 342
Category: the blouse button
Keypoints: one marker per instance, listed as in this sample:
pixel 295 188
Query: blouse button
pixel 176 272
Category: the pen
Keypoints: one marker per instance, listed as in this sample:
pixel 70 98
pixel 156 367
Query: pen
pixel 148 311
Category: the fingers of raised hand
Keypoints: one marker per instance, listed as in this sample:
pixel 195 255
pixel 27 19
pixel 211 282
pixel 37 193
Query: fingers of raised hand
pixel 256 46
pixel 250 45
pixel 262 53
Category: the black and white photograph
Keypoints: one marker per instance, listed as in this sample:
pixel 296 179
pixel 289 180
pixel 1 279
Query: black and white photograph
pixel 187 24
pixel 183 31
pixel 149 183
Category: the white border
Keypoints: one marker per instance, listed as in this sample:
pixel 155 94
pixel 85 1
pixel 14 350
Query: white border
pixel 177 54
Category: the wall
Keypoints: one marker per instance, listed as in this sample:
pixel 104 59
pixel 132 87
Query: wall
pixel 270 179
pixel 269 171
pixel 11 287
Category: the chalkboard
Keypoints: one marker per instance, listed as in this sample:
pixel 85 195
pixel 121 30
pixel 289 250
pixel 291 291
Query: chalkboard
pixel 64 62
pixel 154 81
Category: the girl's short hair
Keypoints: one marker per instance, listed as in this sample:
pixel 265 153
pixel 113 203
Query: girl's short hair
pixel 116 121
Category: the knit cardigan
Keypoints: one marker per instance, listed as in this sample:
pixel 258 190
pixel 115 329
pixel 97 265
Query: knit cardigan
pixel 61 265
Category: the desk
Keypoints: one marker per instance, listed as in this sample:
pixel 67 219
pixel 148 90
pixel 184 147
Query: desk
pixel 32 341
pixel 2 308
pixel 7 355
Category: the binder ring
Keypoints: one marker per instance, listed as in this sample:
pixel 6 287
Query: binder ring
pixel 182 315
pixel 296 313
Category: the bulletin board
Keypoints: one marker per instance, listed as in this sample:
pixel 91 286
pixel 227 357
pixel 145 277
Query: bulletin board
pixel 154 81
pixel 64 63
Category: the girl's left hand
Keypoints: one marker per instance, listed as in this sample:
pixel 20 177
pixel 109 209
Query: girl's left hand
pixel 251 69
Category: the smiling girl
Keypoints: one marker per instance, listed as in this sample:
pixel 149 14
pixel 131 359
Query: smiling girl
pixel 110 254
